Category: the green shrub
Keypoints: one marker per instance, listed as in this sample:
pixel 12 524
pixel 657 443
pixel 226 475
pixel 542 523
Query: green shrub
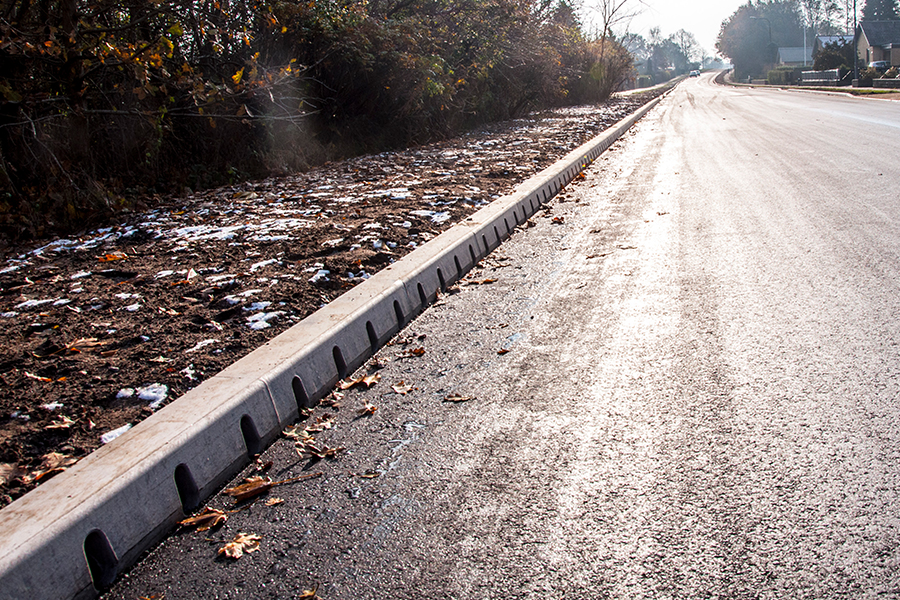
pixel 783 76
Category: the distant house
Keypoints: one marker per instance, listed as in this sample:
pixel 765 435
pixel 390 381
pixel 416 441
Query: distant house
pixel 823 40
pixel 878 40
pixel 794 57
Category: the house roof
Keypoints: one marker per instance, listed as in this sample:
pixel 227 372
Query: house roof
pixel 794 55
pixel 881 33
pixel 831 39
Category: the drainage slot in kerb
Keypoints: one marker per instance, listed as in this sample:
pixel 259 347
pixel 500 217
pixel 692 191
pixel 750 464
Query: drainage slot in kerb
pixel 399 312
pixel 300 395
pixel 251 436
pixel 472 254
pixel 459 271
pixel 442 281
pixel 423 297
pixel 373 339
pixel 101 559
pixel 339 362
pixel 187 488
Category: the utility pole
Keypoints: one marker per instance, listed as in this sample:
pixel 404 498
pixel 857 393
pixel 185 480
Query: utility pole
pixel 855 46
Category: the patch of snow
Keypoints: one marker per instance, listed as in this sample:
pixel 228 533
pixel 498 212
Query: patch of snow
pixel 51 406
pixel 132 307
pixel 35 303
pixel 111 435
pixel 200 345
pixel 261 264
pixel 9 315
pixel 81 275
pixel 156 393
pixel 125 393
pixel 322 275
pixel 261 320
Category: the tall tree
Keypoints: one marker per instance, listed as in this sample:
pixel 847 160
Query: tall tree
pixel 752 35
pixel 881 10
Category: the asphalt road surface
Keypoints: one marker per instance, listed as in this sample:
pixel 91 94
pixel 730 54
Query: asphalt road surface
pixel 698 398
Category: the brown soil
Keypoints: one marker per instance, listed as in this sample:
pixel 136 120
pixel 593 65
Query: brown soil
pixel 100 331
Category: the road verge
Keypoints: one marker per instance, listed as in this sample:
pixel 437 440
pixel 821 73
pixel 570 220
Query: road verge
pixel 73 535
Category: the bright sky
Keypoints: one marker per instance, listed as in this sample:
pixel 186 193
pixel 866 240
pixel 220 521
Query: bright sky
pixel 703 18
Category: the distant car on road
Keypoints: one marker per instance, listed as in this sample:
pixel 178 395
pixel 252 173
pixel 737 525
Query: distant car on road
pixel 880 65
pixel 695 73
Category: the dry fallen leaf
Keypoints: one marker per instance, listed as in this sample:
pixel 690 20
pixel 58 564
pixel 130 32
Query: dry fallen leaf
pixel 369 474
pixel 297 436
pixel 413 352
pixel 402 388
pixel 333 400
pixel 242 542
pixel 82 344
pixel 37 377
pixel 9 472
pixel 481 281
pixel 558 220
pixel 118 255
pixel 368 408
pixel 274 501
pixel 309 594
pixel 63 422
pixel 209 518
pixel 252 487
pixel 502 351
pixel 370 380
pixel 322 423
pixel 309 448
pixel 457 398
pixel 51 464
pixel 366 380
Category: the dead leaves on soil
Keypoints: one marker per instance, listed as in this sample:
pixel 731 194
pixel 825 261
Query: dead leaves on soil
pixel 51 464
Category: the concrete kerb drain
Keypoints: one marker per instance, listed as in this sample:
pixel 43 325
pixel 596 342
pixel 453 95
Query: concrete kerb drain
pixel 74 534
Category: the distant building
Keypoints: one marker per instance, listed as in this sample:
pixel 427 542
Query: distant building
pixel 878 40
pixel 794 57
pixel 823 40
